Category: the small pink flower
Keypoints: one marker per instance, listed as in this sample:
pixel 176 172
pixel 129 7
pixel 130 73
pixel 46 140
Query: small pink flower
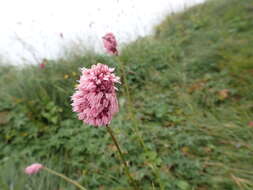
pixel 95 100
pixel 250 124
pixel 33 169
pixel 110 43
pixel 42 65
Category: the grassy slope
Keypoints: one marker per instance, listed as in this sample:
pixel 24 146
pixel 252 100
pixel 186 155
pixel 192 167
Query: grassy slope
pixel 191 84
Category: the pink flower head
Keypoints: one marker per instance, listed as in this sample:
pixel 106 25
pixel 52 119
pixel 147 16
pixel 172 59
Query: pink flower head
pixel 95 100
pixel 110 43
pixel 42 65
pixel 33 169
pixel 250 124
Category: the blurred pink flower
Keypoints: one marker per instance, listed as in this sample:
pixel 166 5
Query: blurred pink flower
pixel 110 43
pixel 250 124
pixel 33 169
pixel 42 65
pixel 95 100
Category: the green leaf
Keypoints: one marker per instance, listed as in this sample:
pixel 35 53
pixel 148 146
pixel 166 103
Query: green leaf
pixel 183 185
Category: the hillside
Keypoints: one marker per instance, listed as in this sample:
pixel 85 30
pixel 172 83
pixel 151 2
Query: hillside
pixel 188 124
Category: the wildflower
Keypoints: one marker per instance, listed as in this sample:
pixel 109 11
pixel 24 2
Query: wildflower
pixel 223 94
pixel 185 150
pixel 250 124
pixel 33 169
pixel 110 43
pixel 42 65
pixel 95 100
pixel 66 76
pixel 18 100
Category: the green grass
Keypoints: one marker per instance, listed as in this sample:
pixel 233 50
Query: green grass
pixel 191 86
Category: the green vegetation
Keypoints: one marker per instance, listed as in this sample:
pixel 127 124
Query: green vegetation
pixel 191 87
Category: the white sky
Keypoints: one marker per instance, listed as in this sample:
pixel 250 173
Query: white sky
pixel 31 28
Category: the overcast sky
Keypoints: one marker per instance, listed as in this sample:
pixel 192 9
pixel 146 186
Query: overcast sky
pixel 40 28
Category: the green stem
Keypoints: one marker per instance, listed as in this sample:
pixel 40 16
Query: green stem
pixel 130 111
pixel 122 157
pixel 125 82
pixel 130 104
pixel 64 177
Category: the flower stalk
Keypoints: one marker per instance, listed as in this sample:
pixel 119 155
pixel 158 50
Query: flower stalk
pixel 110 44
pixel 37 167
pixel 64 177
pixel 122 157
pixel 126 93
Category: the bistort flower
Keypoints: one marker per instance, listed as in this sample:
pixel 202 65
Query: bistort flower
pixel 110 43
pixel 42 65
pixel 250 124
pixel 95 98
pixel 33 169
